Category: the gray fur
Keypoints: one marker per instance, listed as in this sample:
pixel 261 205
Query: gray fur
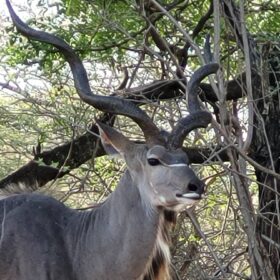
pixel 42 239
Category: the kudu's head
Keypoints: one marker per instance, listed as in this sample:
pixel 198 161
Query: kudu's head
pixel 160 168
pixel 163 176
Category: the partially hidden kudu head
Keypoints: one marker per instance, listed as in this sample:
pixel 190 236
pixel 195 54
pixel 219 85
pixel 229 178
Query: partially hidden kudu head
pixel 160 168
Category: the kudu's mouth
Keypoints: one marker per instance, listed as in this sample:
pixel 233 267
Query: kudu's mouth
pixel 184 201
pixel 193 196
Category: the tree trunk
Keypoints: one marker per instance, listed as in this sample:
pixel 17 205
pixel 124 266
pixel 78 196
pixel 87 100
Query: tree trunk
pixel 266 151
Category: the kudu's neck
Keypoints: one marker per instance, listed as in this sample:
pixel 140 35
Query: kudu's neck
pixel 125 236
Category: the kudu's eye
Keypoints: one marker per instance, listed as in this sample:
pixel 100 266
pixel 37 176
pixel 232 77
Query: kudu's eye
pixel 153 161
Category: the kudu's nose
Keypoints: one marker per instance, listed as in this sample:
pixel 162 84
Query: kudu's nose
pixel 196 186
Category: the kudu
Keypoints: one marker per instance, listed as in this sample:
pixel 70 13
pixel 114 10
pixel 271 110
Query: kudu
pixel 126 237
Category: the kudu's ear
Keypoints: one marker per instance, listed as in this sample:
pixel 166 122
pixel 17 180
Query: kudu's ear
pixel 113 141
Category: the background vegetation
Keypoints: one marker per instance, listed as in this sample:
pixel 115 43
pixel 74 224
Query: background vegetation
pixel 143 50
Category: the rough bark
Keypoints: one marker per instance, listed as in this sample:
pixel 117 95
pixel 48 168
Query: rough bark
pixel 265 150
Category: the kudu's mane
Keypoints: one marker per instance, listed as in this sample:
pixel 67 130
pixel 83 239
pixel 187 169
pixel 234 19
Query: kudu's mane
pixel 158 268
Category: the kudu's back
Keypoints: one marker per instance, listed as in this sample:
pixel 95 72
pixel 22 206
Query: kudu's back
pixel 33 231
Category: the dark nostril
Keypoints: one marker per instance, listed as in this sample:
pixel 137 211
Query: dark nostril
pixel 196 187
pixel 193 187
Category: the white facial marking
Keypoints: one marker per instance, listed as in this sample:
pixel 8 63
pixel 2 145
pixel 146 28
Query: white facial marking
pixel 191 195
pixel 153 188
pixel 162 199
pixel 177 164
